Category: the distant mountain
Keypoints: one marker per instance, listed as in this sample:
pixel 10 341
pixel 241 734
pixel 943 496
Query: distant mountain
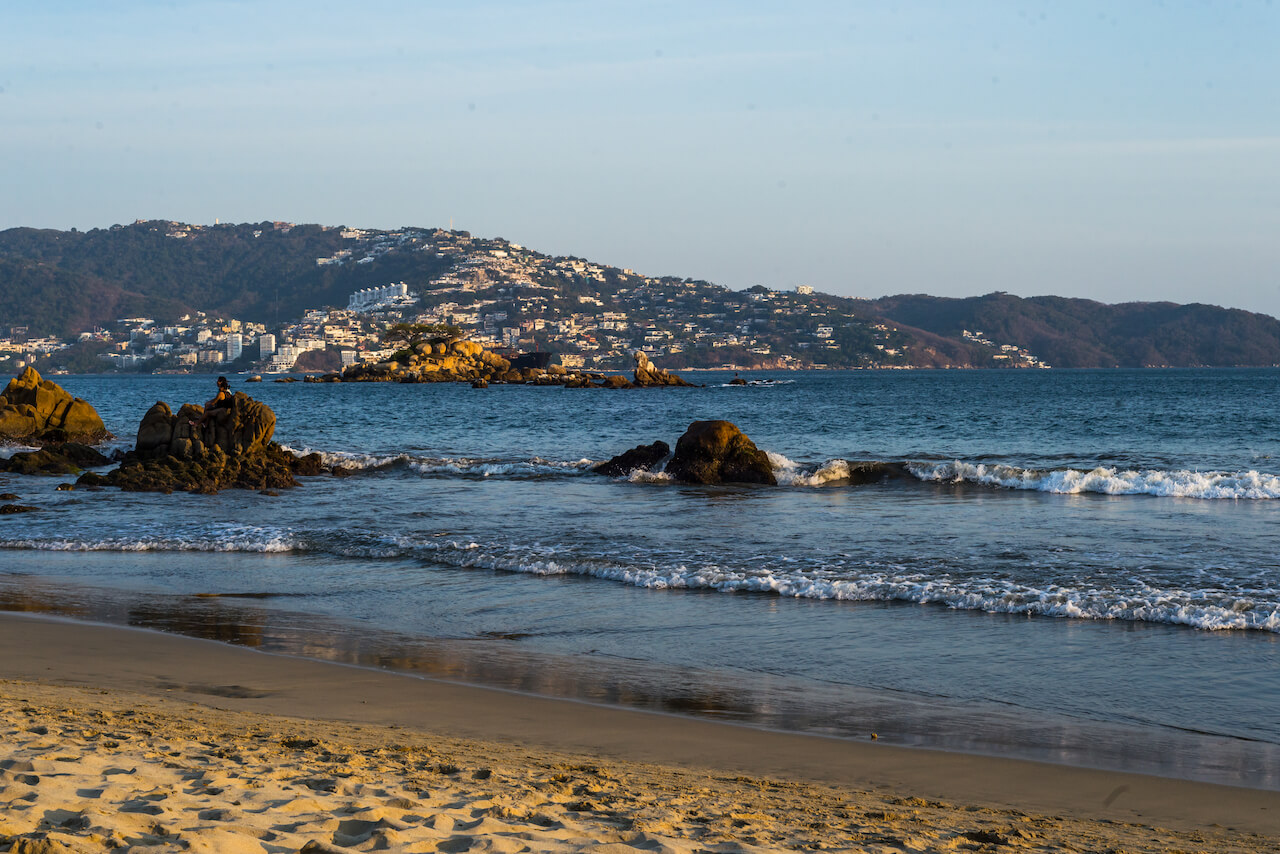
pixel 1078 333
pixel 62 283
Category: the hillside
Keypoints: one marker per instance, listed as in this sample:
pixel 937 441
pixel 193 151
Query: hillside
pixel 62 283
pixel 1077 333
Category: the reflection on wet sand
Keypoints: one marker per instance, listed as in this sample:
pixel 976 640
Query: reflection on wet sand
pixel 769 702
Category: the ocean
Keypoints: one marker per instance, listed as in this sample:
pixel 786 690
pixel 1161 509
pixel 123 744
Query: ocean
pixel 1079 567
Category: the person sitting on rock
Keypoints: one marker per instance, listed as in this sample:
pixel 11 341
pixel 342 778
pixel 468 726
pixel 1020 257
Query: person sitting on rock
pixel 223 400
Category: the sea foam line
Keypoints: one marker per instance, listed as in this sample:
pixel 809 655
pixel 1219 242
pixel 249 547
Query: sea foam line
pixel 1210 608
pixel 457 466
pixel 1107 481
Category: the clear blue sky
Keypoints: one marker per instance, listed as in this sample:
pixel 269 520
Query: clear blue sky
pixel 1117 151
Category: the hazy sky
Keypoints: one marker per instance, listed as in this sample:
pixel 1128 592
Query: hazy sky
pixel 1117 151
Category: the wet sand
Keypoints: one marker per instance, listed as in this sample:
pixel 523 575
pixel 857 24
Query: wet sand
pixel 113 737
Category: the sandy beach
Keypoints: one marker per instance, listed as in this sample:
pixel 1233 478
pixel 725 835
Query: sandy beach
pixel 120 739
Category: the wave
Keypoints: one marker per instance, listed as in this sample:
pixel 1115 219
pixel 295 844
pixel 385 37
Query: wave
pixel 1216 606
pixel 207 538
pixel 1107 480
pixel 471 467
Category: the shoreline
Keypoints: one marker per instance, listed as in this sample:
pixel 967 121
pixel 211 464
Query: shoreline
pixel 144 669
pixel 948 725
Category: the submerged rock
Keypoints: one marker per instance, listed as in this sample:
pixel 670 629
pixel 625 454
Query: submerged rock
pixel 66 458
pixel 641 457
pixel 231 449
pixel 10 509
pixel 37 411
pixel 718 452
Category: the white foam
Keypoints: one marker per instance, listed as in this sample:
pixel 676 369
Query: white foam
pixel 353 460
pixel 535 467
pixel 459 466
pixel 219 539
pixel 1208 609
pixel 1211 608
pixel 790 473
pixel 643 476
pixel 1109 481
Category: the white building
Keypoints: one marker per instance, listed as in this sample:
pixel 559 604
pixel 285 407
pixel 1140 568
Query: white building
pixel 804 290
pixel 266 346
pixel 235 346
pixel 388 295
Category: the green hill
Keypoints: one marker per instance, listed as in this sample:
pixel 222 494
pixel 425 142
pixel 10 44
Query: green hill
pixel 62 283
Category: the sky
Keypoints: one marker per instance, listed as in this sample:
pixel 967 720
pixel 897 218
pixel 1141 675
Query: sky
pixel 1113 151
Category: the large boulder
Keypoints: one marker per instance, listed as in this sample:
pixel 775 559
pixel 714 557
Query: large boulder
pixel 718 452
pixel 230 449
pixel 245 427
pixel 641 457
pixel 37 411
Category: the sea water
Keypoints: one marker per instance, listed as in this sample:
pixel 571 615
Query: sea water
pixel 1075 566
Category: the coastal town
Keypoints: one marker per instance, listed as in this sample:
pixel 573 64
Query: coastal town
pixel 505 297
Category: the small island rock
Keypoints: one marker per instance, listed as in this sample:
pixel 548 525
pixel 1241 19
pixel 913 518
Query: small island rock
pixel 649 375
pixel 37 411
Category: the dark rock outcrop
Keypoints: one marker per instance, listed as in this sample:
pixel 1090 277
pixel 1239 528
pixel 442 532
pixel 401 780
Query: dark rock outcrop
pixel 649 375
pixel 10 509
pixel 642 457
pixel 231 449
pixel 37 411
pixel 718 452
pixel 67 458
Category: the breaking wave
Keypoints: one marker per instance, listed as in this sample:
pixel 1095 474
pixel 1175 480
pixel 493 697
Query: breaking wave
pixel 1107 481
pixel 208 538
pixel 1208 604
pixel 1181 483
pixel 467 467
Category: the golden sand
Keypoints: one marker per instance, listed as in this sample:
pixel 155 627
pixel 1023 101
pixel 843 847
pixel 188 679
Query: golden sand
pixel 92 770
pixel 112 738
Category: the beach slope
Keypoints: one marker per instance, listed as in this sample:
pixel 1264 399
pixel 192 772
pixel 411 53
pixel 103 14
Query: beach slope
pixel 114 738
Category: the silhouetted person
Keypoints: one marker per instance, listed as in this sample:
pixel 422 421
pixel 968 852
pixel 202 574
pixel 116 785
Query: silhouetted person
pixel 221 401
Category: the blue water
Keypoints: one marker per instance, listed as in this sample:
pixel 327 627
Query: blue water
pixel 1078 566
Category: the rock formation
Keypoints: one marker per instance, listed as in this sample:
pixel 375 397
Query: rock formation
pixel 37 411
pixel 230 449
pixel 708 452
pixel 442 360
pixel 718 452
pixel 642 457
pixel 648 375
pixel 453 360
